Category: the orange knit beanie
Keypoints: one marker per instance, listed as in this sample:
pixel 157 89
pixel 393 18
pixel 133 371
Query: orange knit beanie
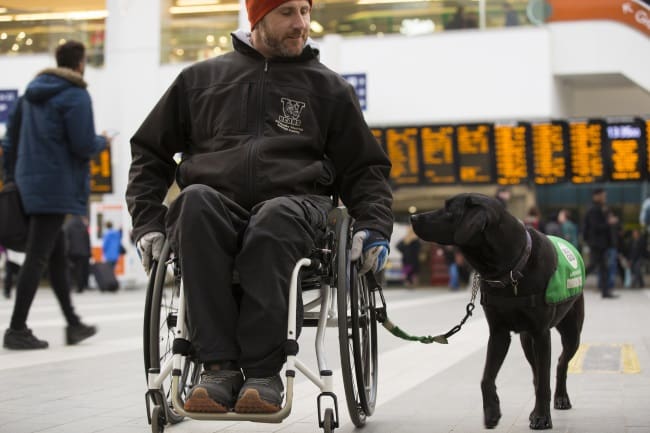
pixel 257 9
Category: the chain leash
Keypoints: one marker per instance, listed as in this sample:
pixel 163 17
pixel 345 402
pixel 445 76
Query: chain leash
pixel 382 316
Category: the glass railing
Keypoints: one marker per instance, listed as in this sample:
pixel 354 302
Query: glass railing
pixel 380 17
pixel 193 30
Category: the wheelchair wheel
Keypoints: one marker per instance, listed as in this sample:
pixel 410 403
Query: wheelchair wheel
pixel 160 329
pixel 157 420
pixel 357 329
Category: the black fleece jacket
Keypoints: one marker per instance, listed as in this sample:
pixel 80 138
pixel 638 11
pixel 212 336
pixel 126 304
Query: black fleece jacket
pixel 254 129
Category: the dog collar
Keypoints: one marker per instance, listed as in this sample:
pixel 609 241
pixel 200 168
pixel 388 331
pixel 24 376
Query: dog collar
pixel 515 274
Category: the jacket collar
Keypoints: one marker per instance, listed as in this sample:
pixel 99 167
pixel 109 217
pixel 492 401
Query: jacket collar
pixel 67 74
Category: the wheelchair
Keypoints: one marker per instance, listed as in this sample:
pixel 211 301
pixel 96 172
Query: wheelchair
pixel 344 300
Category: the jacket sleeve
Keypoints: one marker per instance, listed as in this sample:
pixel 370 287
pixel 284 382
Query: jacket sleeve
pixel 162 134
pixel 80 125
pixel 11 139
pixel 362 167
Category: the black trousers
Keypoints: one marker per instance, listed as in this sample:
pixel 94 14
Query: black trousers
pixel 215 237
pixel 45 247
pixel 598 260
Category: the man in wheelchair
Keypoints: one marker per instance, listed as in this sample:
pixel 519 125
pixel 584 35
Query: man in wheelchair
pixel 267 135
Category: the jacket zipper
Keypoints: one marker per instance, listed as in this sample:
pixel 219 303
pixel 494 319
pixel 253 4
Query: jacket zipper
pixel 252 149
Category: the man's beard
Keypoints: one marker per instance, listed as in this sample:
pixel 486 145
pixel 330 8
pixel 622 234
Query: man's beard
pixel 274 42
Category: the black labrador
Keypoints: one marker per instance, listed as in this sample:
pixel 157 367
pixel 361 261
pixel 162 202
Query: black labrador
pixel 515 265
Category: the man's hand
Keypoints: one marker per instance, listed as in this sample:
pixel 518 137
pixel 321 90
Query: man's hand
pixel 374 248
pixel 149 247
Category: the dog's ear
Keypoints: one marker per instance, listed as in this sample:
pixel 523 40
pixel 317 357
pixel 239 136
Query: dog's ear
pixel 472 223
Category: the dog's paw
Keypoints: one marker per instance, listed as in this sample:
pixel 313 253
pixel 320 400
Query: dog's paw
pixel 491 418
pixel 540 422
pixel 562 402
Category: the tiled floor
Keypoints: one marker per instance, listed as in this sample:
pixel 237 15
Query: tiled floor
pixel 99 385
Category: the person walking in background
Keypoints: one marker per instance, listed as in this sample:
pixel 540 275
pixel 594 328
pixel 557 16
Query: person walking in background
pixel 552 226
pixel 614 265
pixel 13 262
pixel 410 246
pixel 451 253
pixel 532 218
pixel 111 245
pixel 636 255
pixel 458 20
pixel 568 228
pixel 511 17
pixel 644 220
pixel 644 213
pixel 57 138
pixel 78 250
pixel 597 236
pixel 504 195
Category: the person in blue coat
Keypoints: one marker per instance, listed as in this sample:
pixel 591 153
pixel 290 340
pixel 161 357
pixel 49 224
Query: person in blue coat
pixel 55 140
pixel 111 244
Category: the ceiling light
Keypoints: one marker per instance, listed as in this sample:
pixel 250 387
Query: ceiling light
pixel 203 9
pixel 196 2
pixel 3 10
pixel 63 16
pixel 374 2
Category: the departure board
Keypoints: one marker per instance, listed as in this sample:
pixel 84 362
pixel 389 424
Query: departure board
pixel 402 147
pixel 511 153
pixel 474 146
pixel 438 162
pixel 550 152
pixel 586 143
pixel 626 150
pixel 101 178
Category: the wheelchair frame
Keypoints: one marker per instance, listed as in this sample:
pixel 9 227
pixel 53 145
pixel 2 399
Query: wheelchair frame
pixel 171 369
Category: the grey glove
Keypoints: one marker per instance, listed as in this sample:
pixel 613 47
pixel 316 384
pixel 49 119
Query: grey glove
pixel 374 248
pixel 149 248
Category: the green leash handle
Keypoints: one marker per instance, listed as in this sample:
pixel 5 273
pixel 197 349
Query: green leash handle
pixel 398 332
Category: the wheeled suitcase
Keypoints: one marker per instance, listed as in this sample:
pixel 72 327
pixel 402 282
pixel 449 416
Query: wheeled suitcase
pixel 105 277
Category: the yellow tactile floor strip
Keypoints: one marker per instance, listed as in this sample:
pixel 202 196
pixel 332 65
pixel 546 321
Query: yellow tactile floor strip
pixel 575 365
pixel 629 360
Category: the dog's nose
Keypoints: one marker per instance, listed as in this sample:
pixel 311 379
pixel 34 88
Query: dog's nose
pixel 414 217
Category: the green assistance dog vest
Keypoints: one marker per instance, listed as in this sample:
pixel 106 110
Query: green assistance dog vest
pixel 569 277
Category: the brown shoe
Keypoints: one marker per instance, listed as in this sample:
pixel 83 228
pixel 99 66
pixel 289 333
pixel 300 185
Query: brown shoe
pixel 260 395
pixel 216 391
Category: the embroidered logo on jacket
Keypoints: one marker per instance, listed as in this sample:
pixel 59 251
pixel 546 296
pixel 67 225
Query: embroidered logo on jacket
pixel 290 121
